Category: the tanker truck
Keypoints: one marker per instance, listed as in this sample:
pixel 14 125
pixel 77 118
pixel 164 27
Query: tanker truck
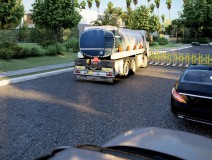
pixel 108 51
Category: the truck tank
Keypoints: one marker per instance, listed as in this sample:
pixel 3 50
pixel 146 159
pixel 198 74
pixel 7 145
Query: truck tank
pixel 103 41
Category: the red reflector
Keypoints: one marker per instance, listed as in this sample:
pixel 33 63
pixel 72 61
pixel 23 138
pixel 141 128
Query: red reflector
pixel 109 74
pixel 96 60
pixel 177 96
pixel 77 71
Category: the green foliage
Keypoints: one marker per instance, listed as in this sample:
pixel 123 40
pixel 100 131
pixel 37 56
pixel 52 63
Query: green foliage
pixel 45 44
pixel 141 18
pixel 97 4
pixel 153 43
pixel 162 41
pixel 110 17
pixel 154 23
pixel 204 40
pixel 163 18
pixel 83 4
pixel 11 13
pixel 8 36
pixel 152 7
pixel 135 2
pixel 38 35
pixel 90 3
pixel 169 4
pixel 128 3
pixel 55 15
pixel 55 49
pixel 24 34
pixel 10 50
pixel 197 14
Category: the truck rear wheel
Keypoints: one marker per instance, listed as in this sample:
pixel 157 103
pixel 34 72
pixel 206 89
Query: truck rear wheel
pixel 145 61
pixel 133 66
pixel 126 68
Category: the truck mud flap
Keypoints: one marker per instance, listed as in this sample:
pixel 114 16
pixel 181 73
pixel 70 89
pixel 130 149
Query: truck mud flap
pixel 95 78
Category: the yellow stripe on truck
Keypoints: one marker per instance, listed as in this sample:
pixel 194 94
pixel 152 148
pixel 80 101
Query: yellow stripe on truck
pixel 107 69
pixel 80 67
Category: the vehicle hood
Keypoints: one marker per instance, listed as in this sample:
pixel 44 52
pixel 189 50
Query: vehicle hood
pixel 176 143
pixel 83 154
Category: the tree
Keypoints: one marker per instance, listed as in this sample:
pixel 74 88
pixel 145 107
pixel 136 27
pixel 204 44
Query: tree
pixel 55 15
pixel 128 2
pixel 177 26
pixel 111 17
pixel 90 2
pixel 135 2
pixel 169 4
pixel 128 17
pixel 197 14
pixel 141 18
pixel 83 4
pixel 157 2
pixel 148 2
pixel 110 6
pixel 154 23
pixel 97 4
pixel 11 13
pixel 163 18
pixel 152 7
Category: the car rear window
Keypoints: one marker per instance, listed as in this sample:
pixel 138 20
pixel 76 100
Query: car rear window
pixel 197 76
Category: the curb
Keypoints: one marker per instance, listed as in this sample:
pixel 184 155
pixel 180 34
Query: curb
pixel 155 52
pixel 35 76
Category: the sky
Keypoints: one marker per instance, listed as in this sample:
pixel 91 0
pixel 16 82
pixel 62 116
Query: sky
pixel 176 6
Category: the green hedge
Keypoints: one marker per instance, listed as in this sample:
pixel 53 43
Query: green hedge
pixel 8 36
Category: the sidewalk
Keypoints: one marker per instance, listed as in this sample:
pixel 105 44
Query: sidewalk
pixel 34 70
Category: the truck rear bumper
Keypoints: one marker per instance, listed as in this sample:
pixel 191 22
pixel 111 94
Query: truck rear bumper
pixel 94 78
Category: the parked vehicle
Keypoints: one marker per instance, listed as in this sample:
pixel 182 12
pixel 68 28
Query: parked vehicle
pixel 195 44
pixel 107 51
pixel 142 144
pixel 191 96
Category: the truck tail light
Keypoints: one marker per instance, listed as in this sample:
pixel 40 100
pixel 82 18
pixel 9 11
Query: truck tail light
pixel 77 71
pixel 178 97
pixel 109 73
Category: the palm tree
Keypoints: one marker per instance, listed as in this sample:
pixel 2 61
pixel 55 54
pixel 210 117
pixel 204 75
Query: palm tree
pixel 128 2
pixel 152 7
pixel 169 5
pixel 97 4
pixel 90 3
pixel 109 18
pixel 157 2
pixel 163 18
pixel 110 7
pixel 148 2
pixel 83 4
pixel 135 2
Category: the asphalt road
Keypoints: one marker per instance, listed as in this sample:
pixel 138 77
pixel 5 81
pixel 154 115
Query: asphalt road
pixel 40 115
pixel 196 49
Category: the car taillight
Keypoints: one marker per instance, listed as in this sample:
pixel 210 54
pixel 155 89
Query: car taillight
pixel 178 97
pixel 109 74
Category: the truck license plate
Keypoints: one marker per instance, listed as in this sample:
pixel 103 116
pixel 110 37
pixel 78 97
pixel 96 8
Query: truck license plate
pixel 90 72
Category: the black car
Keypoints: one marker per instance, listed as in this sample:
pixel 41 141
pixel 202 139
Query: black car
pixel 141 144
pixel 192 95
pixel 195 44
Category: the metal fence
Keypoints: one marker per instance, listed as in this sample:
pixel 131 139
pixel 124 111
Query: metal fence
pixel 178 59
